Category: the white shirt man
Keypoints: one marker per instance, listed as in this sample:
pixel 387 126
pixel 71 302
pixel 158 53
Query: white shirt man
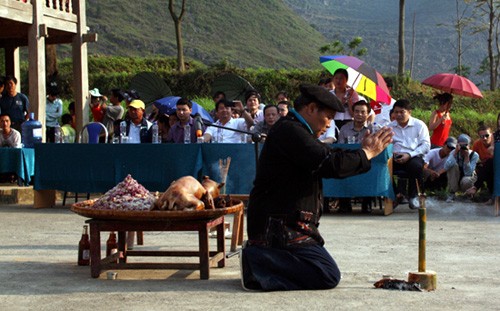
pixel 411 142
pixel 219 135
pixel 9 137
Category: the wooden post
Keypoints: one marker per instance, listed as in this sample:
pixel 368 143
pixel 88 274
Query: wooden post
pixel 422 223
pixel 426 279
pixel 80 66
pixel 36 52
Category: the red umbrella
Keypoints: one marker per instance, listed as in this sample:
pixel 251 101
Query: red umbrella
pixel 454 84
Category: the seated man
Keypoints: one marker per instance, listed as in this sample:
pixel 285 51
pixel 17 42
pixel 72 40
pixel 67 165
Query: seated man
pixel 434 172
pixel 285 250
pixel 460 167
pixel 138 127
pixel 271 115
pixel 411 143
pixel 223 109
pixel 184 108
pixel 355 129
pixel 485 169
pixel 283 107
pixel 67 130
pixel 10 137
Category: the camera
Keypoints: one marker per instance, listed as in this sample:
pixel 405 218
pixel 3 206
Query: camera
pixel 463 147
pixel 230 103
pixel 398 156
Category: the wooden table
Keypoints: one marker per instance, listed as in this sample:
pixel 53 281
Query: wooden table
pixel 207 258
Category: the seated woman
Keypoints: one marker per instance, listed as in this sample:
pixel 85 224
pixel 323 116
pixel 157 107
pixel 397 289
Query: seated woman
pixel 345 94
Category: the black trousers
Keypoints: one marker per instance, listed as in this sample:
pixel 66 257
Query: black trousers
pixel 294 268
pixel 415 170
pixel 50 133
pixel 485 173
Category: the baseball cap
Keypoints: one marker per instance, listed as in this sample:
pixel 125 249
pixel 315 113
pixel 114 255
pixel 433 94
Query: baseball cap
pixel 137 103
pixel 463 139
pixel 451 142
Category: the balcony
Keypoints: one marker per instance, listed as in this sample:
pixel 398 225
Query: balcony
pixel 36 24
pixel 59 17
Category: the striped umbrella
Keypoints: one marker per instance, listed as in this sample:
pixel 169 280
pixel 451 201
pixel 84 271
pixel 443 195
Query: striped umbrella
pixel 362 78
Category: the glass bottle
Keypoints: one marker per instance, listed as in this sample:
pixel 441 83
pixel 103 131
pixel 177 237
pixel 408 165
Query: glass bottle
pixel 84 248
pixel 111 244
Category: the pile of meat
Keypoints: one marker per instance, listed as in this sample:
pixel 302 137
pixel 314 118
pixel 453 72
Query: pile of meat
pixel 128 195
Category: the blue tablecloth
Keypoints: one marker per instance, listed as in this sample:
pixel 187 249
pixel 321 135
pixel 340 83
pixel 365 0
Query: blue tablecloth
pixel 19 161
pixel 376 182
pixel 99 167
pixel 496 164
pixel 241 171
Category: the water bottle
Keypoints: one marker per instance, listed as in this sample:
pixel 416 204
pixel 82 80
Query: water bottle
pixel 57 135
pixel 31 132
pixel 154 129
pixel 123 131
pixel 187 134
pixel 376 127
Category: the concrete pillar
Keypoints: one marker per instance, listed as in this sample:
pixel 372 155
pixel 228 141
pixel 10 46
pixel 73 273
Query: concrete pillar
pixel 80 67
pixel 12 66
pixel 36 57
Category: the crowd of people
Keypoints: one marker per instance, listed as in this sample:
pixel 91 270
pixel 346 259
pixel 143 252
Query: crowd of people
pixel 285 250
pixel 423 153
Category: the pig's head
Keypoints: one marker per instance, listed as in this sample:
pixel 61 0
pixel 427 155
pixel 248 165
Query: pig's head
pixel 212 186
pixel 213 190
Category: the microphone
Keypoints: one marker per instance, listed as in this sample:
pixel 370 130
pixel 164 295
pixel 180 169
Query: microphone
pixel 198 125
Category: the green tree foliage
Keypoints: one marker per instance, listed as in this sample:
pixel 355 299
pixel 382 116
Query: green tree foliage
pixel 338 48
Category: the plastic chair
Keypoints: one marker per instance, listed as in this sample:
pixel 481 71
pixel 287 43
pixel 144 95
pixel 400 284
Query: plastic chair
pixel 93 130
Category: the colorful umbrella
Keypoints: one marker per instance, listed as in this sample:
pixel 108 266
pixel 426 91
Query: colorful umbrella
pixel 454 84
pixel 362 77
pixel 168 106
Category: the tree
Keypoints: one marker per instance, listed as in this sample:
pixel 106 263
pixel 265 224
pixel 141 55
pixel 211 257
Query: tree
pixel 489 10
pixel 461 22
pixel 401 38
pixel 178 33
pixel 338 48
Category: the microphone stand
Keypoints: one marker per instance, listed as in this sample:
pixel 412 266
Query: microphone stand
pixel 256 138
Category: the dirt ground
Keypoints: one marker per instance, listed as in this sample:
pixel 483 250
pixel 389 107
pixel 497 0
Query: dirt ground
pixel 38 267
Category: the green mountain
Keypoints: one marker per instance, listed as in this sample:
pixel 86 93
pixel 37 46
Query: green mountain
pixel 285 33
pixel 248 33
pixel 376 21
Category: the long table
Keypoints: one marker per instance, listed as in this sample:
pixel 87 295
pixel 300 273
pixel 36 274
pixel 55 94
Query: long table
pixel 99 167
pixel 19 161
pixel 377 182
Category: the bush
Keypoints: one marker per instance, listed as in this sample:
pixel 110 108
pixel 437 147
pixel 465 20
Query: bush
pixel 106 73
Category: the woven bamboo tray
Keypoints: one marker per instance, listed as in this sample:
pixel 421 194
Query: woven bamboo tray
pixel 85 209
